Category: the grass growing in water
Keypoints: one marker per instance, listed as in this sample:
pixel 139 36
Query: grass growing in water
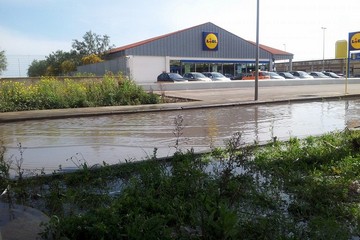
pixel 299 189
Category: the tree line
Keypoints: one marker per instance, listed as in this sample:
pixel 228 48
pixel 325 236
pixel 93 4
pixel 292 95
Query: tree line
pixel 91 49
pixel 3 61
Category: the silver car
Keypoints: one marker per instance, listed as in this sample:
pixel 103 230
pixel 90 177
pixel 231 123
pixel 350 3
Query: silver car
pixel 216 76
pixel 196 76
pixel 302 75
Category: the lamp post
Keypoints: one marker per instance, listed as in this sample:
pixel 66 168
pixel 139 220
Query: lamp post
pixel 323 63
pixel 257 54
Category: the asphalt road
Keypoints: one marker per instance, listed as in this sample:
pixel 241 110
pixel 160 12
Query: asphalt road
pixel 267 94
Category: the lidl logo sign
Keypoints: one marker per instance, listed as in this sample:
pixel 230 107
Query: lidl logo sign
pixel 354 41
pixel 210 41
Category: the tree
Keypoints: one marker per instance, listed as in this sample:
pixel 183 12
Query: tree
pixel 68 66
pixel 37 68
pixel 53 64
pixel 3 61
pixel 93 58
pixel 90 50
pixel 92 44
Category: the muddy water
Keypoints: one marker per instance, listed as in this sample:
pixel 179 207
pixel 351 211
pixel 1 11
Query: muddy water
pixel 69 142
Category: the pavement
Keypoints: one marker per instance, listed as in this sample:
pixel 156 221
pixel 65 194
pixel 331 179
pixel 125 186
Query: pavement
pixel 21 222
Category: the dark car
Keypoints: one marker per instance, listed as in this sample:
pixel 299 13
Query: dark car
pixel 170 77
pixel 332 75
pixel 287 75
pixel 318 75
pixel 232 77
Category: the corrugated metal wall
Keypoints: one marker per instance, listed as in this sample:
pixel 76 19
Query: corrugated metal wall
pixel 115 65
pixel 188 43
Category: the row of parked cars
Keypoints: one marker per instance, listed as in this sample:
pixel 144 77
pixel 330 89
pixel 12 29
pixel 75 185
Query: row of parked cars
pixel 290 75
pixel 302 74
pixel 216 76
pixel 192 76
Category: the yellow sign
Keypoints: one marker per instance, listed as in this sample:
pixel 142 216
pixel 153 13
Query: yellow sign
pixel 355 41
pixel 341 49
pixel 210 41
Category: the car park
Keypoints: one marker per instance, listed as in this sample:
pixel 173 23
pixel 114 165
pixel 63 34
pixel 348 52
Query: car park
pixel 332 75
pixel 274 75
pixel 287 75
pixel 318 75
pixel 302 75
pixel 196 76
pixel 170 77
pixel 216 76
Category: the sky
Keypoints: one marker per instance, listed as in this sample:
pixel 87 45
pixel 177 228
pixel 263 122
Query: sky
pixel 34 29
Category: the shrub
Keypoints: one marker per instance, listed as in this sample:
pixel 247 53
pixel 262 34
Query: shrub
pixel 51 93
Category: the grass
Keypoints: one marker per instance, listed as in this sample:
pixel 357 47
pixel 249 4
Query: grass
pixel 297 189
pixel 51 93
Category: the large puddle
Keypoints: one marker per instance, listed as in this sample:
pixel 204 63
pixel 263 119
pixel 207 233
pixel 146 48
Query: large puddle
pixel 112 139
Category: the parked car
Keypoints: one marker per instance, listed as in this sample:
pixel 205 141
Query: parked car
pixel 318 75
pixel 170 77
pixel 196 76
pixel 274 75
pixel 287 75
pixel 302 75
pixel 251 76
pixel 331 74
pixel 228 75
pixel 216 76
pixel 237 77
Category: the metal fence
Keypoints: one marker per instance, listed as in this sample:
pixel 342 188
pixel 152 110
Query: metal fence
pixel 18 65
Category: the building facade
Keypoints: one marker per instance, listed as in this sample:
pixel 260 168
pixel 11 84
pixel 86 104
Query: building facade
pixel 201 48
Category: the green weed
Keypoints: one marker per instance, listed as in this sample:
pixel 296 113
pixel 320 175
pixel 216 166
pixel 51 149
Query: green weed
pixel 51 93
pixel 297 189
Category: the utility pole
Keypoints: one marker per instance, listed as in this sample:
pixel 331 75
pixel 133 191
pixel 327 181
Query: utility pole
pixel 323 63
pixel 257 54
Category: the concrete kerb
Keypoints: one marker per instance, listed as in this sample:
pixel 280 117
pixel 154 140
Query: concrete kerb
pixel 163 87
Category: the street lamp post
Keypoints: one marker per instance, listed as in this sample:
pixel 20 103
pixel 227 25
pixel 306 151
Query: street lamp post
pixel 257 54
pixel 323 63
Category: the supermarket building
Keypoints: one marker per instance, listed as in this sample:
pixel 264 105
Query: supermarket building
pixel 201 48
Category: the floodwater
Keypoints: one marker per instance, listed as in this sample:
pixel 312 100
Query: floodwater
pixel 48 144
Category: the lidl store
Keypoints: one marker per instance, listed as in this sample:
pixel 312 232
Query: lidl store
pixel 201 48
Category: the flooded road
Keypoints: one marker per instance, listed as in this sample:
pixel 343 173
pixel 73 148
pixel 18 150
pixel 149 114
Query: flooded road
pixel 112 139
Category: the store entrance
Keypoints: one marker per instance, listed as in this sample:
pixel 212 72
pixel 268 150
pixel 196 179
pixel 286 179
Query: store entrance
pixel 228 68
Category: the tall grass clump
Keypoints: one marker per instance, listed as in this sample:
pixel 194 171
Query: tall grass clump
pixel 51 93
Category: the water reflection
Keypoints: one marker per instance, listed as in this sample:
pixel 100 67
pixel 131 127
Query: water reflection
pixel 134 136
